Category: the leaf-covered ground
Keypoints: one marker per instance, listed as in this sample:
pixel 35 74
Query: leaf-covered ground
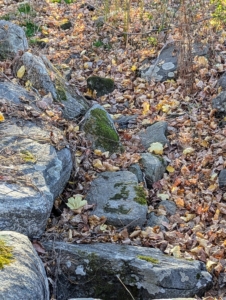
pixel 197 143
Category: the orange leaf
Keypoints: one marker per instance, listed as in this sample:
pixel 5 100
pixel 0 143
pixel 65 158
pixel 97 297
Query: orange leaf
pixel 179 202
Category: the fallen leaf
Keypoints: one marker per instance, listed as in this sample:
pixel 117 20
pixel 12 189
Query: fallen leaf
pixel 156 148
pixel 76 202
pixel 20 73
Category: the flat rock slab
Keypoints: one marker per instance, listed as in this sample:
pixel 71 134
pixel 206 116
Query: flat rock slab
pixel 24 277
pixel 12 39
pixel 118 197
pixel 148 274
pixel 154 133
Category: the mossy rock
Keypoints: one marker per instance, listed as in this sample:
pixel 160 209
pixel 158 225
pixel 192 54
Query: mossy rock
pixel 66 25
pixel 100 130
pixel 101 85
pixel 6 256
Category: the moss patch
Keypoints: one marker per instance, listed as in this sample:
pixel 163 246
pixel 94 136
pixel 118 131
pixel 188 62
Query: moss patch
pixel 61 93
pixel 124 194
pixel 119 210
pixel 140 195
pixel 148 259
pixel 101 85
pixel 6 256
pixel 103 132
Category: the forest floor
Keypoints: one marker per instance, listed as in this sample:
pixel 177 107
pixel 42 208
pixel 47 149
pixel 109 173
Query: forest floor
pixel 196 153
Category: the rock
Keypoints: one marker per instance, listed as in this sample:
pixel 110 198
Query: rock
pixel 222 178
pixel 153 168
pixel 118 197
pixel 12 40
pixel 34 172
pixel 100 130
pixel 154 220
pixel 135 169
pixel 154 133
pixel 169 206
pixel 222 81
pixel 24 277
pixel 219 103
pixel 165 66
pixel 146 272
pixel 101 85
pixel 66 25
pixel 37 72
pixel 12 92
pixel 125 121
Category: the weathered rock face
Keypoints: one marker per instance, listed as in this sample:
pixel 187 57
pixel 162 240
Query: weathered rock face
pixel 100 130
pixel 37 70
pixel 146 272
pixel 24 277
pixel 219 103
pixel 154 168
pixel 101 85
pixel 118 197
pixel 165 66
pixel 12 39
pixel 33 171
pixel 154 133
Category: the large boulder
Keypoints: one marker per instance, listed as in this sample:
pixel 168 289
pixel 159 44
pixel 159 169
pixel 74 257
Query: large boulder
pixel 100 130
pixel 118 197
pixel 33 172
pixel 12 39
pixel 24 277
pixel 104 270
pixel 37 72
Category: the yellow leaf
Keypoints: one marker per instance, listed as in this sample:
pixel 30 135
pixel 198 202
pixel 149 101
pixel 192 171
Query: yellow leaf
pixel 146 107
pixel 133 68
pixel 176 251
pixel 98 152
pixel 157 148
pixel 2 118
pixel 170 169
pixel 166 108
pixel 210 264
pixel 20 72
pixel 28 84
pixel 27 156
pixel 98 165
pixel 188 150
pixel 110 167
pixel 76 202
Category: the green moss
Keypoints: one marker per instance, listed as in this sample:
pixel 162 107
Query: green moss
pixel 6 256
pixel 120 209
pixel 198 276
pixel 61 93
pixel 102 86
pixel 118 184
pixel 99 125
pixel 140 195
pixel 122 195
pixel 148 259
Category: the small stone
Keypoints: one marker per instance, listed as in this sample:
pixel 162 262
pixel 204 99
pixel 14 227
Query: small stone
pixel 222 178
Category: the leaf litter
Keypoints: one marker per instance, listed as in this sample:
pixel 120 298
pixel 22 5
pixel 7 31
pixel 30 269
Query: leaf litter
pixel 196 151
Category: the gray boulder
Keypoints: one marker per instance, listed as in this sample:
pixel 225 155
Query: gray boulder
pixel 118 197
pixel 37 70
pixel 135 169
pixel 146 272
pixel 169 206
pixel 24 277
pixel 154 133
pixel 153 167
pixel 100 130
pixel 219 103
pixel 33 172
pixel 12 39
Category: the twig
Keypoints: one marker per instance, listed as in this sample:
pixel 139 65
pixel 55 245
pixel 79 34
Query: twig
pixel 125 287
